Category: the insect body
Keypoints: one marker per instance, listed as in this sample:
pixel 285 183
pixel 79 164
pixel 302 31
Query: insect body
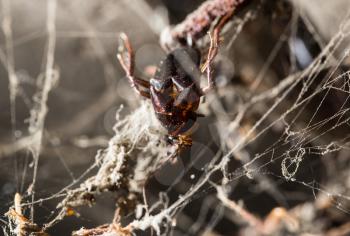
pixel 175 93
pixel 174 90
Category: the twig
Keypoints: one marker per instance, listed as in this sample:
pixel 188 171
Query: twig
pixel 114 228
pixel 198 22
pixel 13 80
pixel 23 226
pixel 340 231
pixel 267 226
pixel 38 113
pixel 246 216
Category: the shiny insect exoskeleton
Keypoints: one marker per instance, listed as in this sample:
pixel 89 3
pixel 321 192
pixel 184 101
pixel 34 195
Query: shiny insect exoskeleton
pixel 175 93
pixel 174 89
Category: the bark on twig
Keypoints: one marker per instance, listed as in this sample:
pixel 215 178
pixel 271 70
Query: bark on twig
pixel 199 21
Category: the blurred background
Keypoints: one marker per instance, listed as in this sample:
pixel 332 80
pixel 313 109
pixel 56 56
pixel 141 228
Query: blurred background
pixel 282 38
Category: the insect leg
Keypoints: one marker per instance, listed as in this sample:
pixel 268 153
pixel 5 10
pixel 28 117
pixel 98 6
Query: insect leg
pixel 126 59
pixel 213 50
pixel 208 64
pixel 137 84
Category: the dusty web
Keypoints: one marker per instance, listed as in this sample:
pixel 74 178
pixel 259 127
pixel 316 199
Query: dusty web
pixel 279 132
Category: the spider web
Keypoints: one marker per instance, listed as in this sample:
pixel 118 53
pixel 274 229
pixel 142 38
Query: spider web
pixel 284 138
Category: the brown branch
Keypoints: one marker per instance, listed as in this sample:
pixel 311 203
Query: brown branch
pixel 266 226
pixel 342 230
pixel 22 225
pixel 199 21
pixel 114 228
